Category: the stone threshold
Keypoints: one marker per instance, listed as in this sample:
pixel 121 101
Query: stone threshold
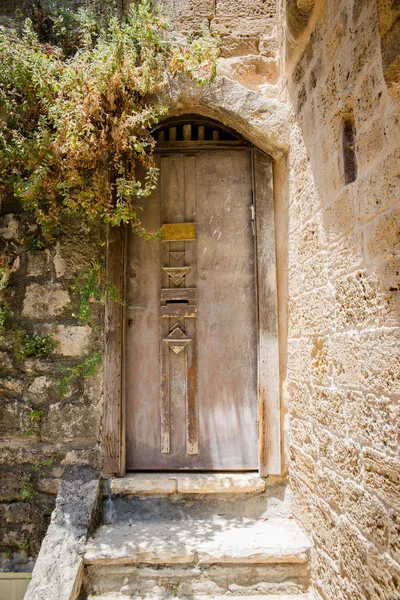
pixel 187 483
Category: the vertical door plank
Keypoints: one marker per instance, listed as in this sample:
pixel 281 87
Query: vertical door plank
pixel 268 374
pixel 165 411
pixel 192 396
pixel 114 314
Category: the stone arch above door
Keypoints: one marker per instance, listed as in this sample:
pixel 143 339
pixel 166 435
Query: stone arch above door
pixel 185 132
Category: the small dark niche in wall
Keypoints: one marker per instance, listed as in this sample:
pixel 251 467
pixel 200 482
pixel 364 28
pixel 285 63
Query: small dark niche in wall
pixel 349 149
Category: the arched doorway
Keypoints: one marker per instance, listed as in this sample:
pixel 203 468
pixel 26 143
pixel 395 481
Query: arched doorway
pixel 198 305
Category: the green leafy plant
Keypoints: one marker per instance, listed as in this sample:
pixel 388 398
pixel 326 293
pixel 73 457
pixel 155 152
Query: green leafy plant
pixel 48 511
pixel 93 286
pixel 8 554
pixel 24 547
pixel 32 345
pixel 46 462
pixel 175 588
pixel 35 416
pixel 78 95
pixel 27 493
pixel 88 367
pixel 4 311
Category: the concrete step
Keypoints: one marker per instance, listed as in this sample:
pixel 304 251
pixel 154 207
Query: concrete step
pixel 205 557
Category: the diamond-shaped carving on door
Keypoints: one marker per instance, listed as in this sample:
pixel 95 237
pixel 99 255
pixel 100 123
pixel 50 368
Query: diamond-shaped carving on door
pixel 177 340
pixel 176 274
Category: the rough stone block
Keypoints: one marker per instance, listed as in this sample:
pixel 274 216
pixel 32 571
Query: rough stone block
pixel 345 256
pixel 59 567
pixel 303 465
pixel 312 238
pixel 353 553
pixel 382 235
pixel 384 575
pixel 382 476
pixel 325 527
pixel 344 457
pixel 10 228
pixel 252 8
pixel 72 340
pixel 40 390
pixel 92 457
pixel 14 418
pixel 394 534
pixel 378 187
pixel 346 359
pixel 38 264
pixel 302 436
pixel 298 398
pixel 16 512
pixel 379 361
pixel 367 513
pixel 359 301
pixel 69 422
pixel 328 579
pixel 312 313
pixel 243 26
pixel 239 45
pixel 5 363
pixel 11 484
pixel 299 360
pixel 15 386
pixel 45 300
pixel 330 486
pixel 321 356
pixel 328 410
pixel 372 420
pixel 339 215
pixel 315 272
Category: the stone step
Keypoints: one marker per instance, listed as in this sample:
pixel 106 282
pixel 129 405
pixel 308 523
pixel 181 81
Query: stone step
pixel 205 557
pixel 199 541
pixel 307 596
pixel 187 483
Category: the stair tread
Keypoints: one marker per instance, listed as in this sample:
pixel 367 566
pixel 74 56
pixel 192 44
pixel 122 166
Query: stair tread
pixel 203 541
pixel 119 596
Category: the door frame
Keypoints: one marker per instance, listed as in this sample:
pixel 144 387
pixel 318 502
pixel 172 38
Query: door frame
pixel 269 418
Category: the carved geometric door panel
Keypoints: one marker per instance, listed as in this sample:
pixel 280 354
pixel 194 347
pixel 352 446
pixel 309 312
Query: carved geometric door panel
pixel 191 347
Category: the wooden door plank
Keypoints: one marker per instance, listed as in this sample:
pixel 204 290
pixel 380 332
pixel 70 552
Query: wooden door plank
pixel 178 311
pixel 268 368
pixel 165 411
pixel 112 419
pixel 192 396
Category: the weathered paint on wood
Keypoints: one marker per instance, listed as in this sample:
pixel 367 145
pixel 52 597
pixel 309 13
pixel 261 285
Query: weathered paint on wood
pixel 173 232
pixel 268 369
pixel 113 355
pixel 191 380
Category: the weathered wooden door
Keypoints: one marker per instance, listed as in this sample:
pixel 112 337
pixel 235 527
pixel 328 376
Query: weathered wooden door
pixel 191 347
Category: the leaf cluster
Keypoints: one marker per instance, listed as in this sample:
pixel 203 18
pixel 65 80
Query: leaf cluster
pixel 32 345
pixel 86 368
pixel 93 286
pixel 77 112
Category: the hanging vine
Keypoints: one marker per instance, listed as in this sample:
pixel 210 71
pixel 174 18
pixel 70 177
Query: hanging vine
pixel 76 110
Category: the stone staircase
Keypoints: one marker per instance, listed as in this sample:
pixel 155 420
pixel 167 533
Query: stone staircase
pixel 196 536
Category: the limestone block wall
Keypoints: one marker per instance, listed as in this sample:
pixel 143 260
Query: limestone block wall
pixel 42 431
pixel 343 370
pixel 250 41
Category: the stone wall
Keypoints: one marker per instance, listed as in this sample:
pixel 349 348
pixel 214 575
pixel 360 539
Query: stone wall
pixel 40 430
pixel 343 374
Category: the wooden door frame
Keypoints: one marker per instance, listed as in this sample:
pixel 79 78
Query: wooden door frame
pixel 114 427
